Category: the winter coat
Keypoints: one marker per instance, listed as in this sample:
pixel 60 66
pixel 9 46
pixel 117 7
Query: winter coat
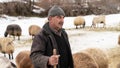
pixel 43 45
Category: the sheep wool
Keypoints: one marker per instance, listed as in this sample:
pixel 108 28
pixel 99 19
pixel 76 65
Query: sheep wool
pixel 78 21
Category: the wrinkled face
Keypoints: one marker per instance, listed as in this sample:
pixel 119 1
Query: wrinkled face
pixel 56 22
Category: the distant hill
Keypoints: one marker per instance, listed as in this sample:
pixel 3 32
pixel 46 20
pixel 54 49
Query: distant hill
pixel 71 7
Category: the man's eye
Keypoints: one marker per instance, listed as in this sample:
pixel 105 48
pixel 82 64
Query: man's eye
pixel 58 17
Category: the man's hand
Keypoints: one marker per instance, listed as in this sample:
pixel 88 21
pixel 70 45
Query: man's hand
pixel 53 60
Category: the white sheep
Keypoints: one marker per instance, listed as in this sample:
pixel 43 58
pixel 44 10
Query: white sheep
pixel 33 30
pixel 7 46
pixel 23 60
pixel 98 20
pixel 78 21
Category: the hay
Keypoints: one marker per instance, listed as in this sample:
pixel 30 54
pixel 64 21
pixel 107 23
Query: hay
pixel 83 64
pixel 80 59
pixel 118 65
pixel 99 56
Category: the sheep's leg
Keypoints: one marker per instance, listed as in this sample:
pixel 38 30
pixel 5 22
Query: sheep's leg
pixel 76 27
pixel 18 37
pixel 97 25
pixel 80 26
pixel 14 37
pixel 4 55
pixel 9 56
pixel 104 25
pixel 84 25
pixel 12 56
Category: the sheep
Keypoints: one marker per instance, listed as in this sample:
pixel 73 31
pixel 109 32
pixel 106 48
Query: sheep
pixel 33 30
pixel 14 30
pixel 7 46
pixel 98 20
pixel 83 60
pixel 79 21
pixel 119 40
pixel 23 60
pixel 6 63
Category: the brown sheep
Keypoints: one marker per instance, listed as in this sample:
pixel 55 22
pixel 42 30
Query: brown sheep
pixel 7 46
pixel 14 30
pixel 78 21
pixel 23 60
pixel 33 30
pixel 119 40
pixel 6 63
pixel 98 20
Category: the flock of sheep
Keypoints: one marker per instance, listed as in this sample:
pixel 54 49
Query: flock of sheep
pixel 89 58
pixel 7 47
pixel 80 21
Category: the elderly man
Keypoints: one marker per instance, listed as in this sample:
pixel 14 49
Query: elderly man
pixel 52 37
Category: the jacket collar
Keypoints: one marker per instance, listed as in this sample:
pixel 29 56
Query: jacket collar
pixel 48 30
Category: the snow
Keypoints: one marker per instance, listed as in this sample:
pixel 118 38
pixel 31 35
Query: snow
pixel 79 38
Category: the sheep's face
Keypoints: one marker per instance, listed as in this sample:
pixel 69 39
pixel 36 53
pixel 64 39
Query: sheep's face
pixel 6 41
pixel 9 43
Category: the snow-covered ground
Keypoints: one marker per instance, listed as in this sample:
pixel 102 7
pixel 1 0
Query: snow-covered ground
pixel 79 38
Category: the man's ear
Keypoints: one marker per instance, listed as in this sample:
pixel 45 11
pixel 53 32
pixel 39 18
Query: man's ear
pixel 49 18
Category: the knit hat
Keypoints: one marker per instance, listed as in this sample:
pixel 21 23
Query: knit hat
pixel 56 11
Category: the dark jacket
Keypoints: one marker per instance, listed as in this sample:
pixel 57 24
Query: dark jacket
pixel 43 45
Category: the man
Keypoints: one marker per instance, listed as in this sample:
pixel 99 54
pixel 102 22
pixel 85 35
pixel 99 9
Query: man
pixel 52 36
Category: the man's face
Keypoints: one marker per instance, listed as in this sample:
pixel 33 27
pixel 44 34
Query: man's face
pixel 57 22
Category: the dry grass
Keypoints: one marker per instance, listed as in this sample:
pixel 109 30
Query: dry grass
pixel 83 59
pixel 88 28
pixel 84 64
pixel 114 57
pixel 99 56
pixel 103 29
pixel 80 59
pixel 91 57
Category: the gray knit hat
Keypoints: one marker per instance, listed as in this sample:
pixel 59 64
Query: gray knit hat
pixel 56 11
